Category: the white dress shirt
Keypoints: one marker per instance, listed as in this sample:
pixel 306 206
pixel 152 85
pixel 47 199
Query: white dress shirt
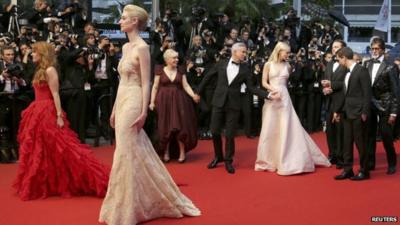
pixel 347 78
pixel 232 70
pixel 375 69
pixel 335 66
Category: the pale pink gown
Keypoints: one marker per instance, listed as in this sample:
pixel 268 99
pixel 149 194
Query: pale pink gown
pixel 140 187
pixel 284 146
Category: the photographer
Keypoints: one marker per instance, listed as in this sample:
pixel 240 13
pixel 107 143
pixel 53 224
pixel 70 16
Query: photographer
pixel 105 83
pixel 167 43
pixel 13 97
pixel 73 13
pixel 313 74
pixel 12 77
pixel 174 29
pixel 199 60
pixel 78 72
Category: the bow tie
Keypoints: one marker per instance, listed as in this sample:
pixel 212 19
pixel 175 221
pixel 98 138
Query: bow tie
pixel 375 61
pixel 235 63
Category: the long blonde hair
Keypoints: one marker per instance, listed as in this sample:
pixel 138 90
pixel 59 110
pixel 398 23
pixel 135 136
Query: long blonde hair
pixel 47 59
pixel 280 46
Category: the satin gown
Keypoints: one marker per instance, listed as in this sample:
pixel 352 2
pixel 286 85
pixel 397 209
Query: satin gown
pixel 52 160
pixel 175 113
pixel 140 186
pixel 284 146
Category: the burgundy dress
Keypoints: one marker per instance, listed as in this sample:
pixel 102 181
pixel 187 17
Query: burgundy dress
pixel 175 113
pixel 52 160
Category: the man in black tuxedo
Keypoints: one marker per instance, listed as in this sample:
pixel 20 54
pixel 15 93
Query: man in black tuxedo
pixel 356 110
pixel 333 88
pixel 384 107
pixel 231 74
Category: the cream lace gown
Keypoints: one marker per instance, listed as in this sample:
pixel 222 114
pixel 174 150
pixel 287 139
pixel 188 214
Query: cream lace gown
pixel 284 146
pixel 140 187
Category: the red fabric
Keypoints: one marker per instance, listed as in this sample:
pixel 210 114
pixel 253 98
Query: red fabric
pixel 52 160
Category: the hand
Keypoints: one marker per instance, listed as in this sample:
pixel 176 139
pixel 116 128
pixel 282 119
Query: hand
pixel 364 117
pixel 327 91
pixel 196 98
pixel 60 122
pixel 139 122
pixel 90 60
pixel 189 66
pixel 112 120
pixel 336 118
pixel 5 74
pixel 392 120
pixel 275 95
pixel 326 83
pixel 152 106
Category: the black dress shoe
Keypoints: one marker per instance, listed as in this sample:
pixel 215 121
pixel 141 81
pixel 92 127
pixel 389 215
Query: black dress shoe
pixel 213 163
pixel 391 170
pixel 229 168
pixel 344 175
pixel 360 176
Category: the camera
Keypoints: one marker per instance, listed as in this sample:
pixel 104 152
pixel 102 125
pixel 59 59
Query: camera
pixel 14 69
pixel 94 53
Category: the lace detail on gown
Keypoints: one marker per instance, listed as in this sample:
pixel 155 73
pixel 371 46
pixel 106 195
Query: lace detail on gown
pixel 284 146
pixel 140 186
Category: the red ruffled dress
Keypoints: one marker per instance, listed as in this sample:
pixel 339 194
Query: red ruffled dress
pixel 52 160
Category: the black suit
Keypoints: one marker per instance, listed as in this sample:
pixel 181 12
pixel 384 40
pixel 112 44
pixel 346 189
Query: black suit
pixel 334 131
pixel 384 103
pixel 226 104
pixel 356 103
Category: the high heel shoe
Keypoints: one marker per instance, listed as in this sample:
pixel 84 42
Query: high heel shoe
pixel 182 160
pixel 166 159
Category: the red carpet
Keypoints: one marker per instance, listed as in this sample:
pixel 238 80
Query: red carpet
pixel 245 198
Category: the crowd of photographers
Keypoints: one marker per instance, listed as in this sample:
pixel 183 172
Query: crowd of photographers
pixel 88 63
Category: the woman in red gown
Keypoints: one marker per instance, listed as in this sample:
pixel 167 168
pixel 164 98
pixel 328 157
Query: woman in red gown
pixel 52 160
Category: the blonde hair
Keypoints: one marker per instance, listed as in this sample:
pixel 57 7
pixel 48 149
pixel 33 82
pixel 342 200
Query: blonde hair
pixel 280 46
pixel 140 13
pixel 169 53
pixel 47 59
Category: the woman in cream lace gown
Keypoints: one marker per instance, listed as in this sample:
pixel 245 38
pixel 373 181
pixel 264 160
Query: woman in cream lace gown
pixel 140 187
pixel 284 146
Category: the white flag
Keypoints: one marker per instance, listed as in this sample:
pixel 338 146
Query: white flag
pixel 382 23
pixel 274 2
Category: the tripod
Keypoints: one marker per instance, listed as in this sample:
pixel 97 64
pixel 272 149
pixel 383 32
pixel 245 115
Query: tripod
pixel 13 22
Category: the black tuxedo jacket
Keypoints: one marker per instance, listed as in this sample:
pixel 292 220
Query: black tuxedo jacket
pixel 336 98
pixel 228 95
pixel 384 87
pixel 358 93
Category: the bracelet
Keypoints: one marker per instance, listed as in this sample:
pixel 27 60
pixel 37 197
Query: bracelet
pixel 59 115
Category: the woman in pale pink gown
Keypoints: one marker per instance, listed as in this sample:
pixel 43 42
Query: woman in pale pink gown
pixel 284 146
pixel 140 187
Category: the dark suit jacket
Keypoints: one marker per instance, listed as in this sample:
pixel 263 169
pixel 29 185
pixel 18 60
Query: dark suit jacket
pixel 228 95
pixel 336 98
pixel 358 93
pixel 384 88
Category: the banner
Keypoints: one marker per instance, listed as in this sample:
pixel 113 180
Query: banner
pixel 382 23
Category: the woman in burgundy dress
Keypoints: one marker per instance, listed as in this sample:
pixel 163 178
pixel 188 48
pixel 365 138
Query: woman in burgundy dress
pixel 52 160
pixel 175 112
